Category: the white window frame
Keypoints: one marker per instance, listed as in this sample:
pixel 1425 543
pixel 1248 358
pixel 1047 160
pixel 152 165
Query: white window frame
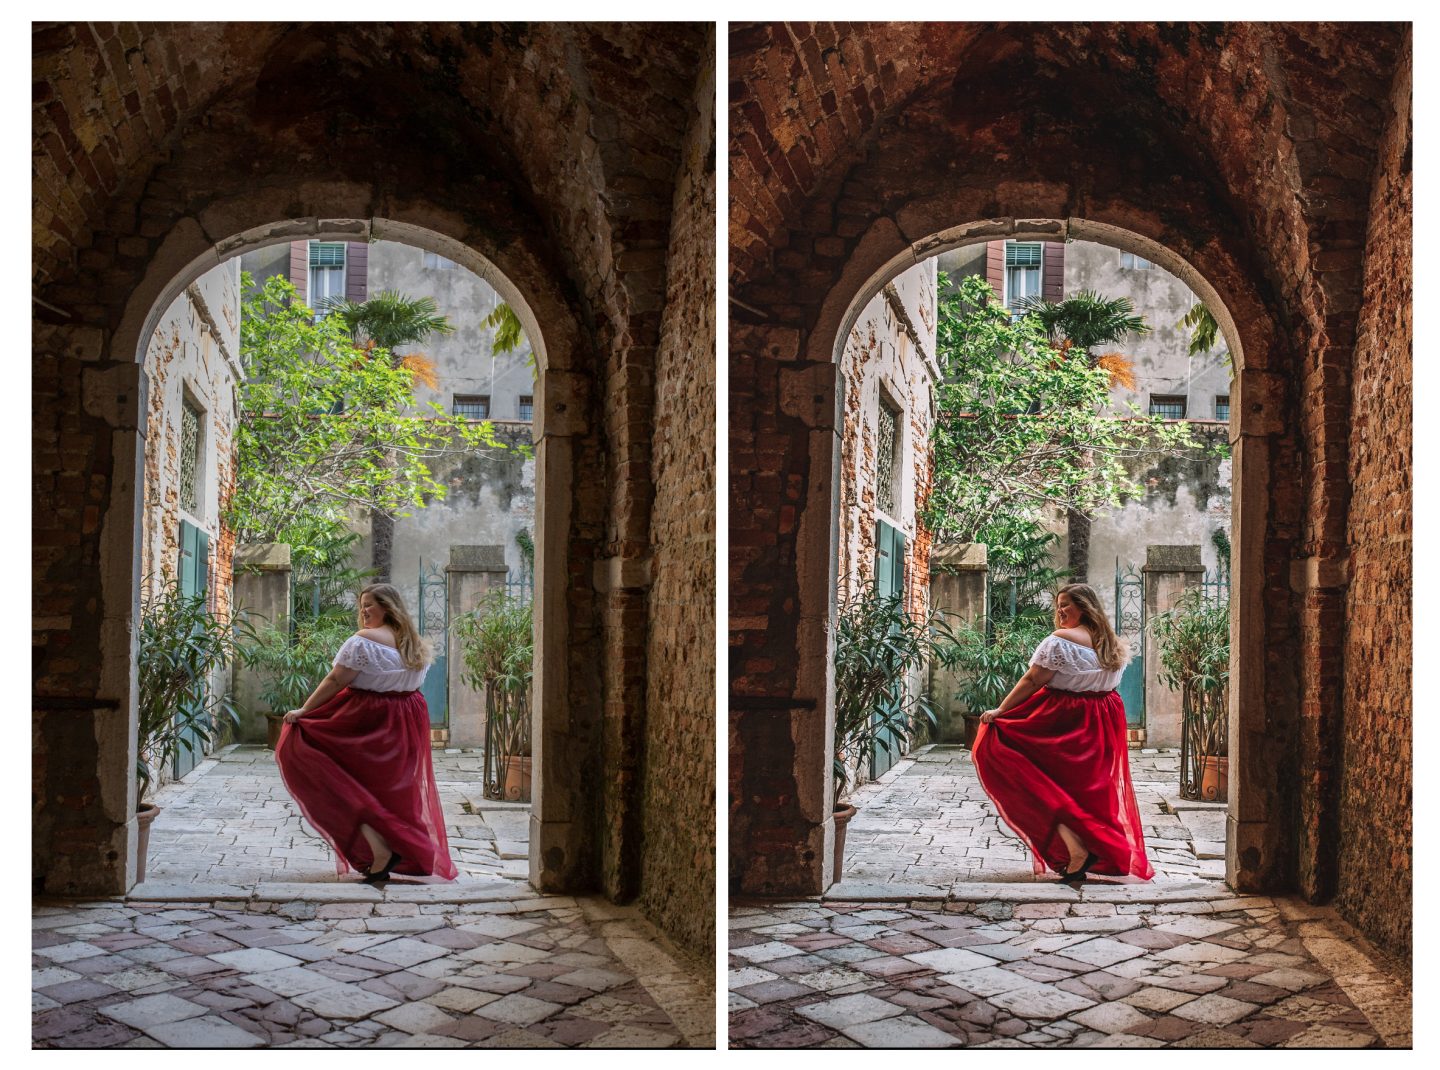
pixel 315 302
pixel 1039 273
pixel 1137 262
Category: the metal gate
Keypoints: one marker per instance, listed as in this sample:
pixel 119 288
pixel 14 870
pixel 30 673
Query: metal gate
pixel 1130 626
pixel 434 624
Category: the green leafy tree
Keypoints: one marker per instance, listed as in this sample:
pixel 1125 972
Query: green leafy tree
pixel 1020 427
pixel 1079 326
pixel 325 425
pixel 384 324
pixel 1200 322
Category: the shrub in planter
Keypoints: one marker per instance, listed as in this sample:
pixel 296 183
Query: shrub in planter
pixel 181 646
pixel 496 641
pixel 877 647
pixel 292 665
pixel 1193 639
pixel 990 657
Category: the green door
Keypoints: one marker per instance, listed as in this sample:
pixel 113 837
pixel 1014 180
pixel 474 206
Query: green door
pixel 889 582
pixel 194 573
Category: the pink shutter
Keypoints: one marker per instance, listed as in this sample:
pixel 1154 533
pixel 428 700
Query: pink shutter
pixel 995 267
pixel 300 269
pixel 357 271
pixel 1052 275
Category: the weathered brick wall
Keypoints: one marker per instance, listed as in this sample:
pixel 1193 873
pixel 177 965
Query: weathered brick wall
pixel 678 886
pixel 1375 794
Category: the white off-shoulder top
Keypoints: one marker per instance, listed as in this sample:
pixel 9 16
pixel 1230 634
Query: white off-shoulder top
pixel 380 667
pixel 1077 667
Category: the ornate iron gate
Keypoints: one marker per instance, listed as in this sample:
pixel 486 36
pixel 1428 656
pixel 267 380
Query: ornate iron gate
pixel 889 582
pixel 434 624
pixel 1130 626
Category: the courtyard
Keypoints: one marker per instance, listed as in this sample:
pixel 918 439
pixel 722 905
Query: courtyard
pixel 927 829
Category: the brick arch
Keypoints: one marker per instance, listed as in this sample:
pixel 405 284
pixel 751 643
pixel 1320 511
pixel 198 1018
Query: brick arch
pixel 565 162
pixel 1250 152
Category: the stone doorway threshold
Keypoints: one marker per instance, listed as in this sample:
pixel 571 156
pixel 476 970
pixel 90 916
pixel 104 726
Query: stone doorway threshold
pixel 927 833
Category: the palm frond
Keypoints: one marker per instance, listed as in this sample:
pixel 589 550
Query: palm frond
pixel 1087 319
pixel 390 319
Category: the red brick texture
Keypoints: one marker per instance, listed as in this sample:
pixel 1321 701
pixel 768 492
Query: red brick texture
pixel 1375 750
pixel 1242 156
pixel 550 151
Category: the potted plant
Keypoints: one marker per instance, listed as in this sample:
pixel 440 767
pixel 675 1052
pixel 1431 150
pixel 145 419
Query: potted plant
pixel 293 664
pixel 182 645
pixel 991 656
pixel 878 646
pixel 1194 644
pixel 496 642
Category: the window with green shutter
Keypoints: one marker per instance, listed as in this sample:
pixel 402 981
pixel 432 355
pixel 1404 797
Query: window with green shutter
pixel 1022 274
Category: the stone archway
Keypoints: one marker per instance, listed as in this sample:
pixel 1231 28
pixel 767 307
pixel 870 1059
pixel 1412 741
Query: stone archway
pixel 554 484
pixel 163 149
pixel 1219 143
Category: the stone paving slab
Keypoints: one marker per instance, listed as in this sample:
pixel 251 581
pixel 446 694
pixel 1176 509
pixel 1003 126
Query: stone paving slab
pixel 530 971
pixel 927 828
pixel 1252 972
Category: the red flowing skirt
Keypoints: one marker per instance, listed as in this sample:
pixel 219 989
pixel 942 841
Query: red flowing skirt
pixel 1061 757
pixel 363 758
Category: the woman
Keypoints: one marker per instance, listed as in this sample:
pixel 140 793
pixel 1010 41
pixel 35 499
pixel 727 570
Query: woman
pixel 1054 758
pixel 356 755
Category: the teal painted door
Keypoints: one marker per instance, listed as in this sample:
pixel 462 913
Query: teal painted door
pixel 1130 626
pixel 889 582
pixel 194 579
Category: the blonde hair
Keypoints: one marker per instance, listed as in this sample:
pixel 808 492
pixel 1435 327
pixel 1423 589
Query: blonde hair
pixel 414 651
pixel 1109 650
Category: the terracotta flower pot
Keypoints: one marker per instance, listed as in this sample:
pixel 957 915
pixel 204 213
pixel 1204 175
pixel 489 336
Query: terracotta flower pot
pixel 1214 778
pixel 273 723
pixel 517 779
pixel 146 816
pixel 843 813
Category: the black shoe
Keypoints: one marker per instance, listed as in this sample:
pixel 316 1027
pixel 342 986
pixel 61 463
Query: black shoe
pixel 376 876
pixel 1079 875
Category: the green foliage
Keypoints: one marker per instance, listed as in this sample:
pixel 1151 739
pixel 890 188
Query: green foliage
pixel 181 646
pixel 992 655
pixel 526 542
pixel 1018 555
pixel 324 426
pixel 508 333
pixel 391 320
pixel 877 645
pixel 1200 322
pixel 1220 539
pixel 323 575
pixel 1019 427
pixel 1194 643
pixel 293 664
pixel 497 646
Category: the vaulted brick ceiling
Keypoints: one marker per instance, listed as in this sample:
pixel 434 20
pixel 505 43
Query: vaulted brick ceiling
pixel 566 133
pixel 1266 129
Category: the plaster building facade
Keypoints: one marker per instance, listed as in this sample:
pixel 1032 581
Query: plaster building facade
pixel 1268 167
pixel 572 167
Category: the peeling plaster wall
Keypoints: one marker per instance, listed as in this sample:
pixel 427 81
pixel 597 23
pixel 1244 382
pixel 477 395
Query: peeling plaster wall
pixel 195 353
pixel 890 351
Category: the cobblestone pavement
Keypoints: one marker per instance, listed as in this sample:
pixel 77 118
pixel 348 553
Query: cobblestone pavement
pixel 232 823
pixel 391 969
pixel 1059 969
pixel 928 826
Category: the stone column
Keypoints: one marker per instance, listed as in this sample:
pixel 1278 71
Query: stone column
pixel 262 597
pixel 959 588
pixel 1168 572
pixel 473 572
